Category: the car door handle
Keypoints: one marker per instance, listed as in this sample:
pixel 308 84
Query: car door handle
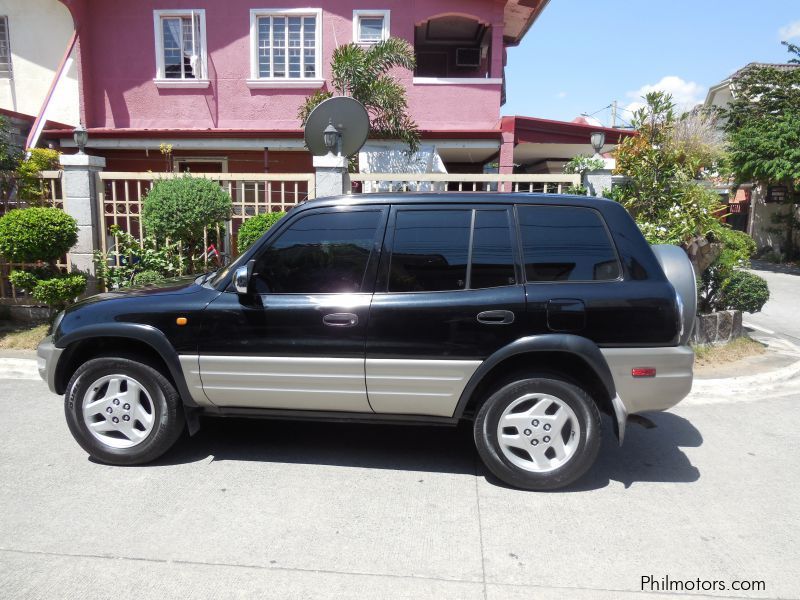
pixel 496 317
pixel 340 320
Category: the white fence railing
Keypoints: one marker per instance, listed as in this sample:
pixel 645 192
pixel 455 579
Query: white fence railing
pixel 459 182
pixel 120 196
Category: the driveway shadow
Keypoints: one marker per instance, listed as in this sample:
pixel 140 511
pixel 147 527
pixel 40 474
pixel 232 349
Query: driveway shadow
pixel 648 455
pixel 374 446
pixel 763 265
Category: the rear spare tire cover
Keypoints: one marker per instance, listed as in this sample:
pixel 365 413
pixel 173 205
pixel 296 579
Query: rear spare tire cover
pixel 680 272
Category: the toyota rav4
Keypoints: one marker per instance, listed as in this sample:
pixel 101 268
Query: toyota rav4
pixel 527 315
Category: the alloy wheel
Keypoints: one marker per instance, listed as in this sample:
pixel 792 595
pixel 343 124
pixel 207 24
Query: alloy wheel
pixel 538 432
pixel 118 411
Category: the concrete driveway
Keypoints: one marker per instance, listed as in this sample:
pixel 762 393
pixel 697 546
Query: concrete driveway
pixel 251 509
pixel 779 317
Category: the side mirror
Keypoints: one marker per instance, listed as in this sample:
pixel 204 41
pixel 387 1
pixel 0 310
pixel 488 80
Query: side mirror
pixel 241 278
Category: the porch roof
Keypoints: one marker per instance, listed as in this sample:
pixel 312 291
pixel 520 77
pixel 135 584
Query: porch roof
pixel 539 140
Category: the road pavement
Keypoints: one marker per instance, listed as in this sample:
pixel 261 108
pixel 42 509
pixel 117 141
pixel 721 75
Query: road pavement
pixel 253 509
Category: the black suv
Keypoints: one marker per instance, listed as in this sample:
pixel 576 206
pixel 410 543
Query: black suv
pixel 528 315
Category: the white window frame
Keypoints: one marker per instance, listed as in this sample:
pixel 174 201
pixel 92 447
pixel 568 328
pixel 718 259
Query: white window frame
pixel 256 81
pixel 223 160
pixel 9 74
pixel 161 80
pixel 359 14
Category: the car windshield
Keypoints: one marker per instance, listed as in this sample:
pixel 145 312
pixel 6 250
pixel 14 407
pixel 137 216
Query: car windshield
pixel 219 276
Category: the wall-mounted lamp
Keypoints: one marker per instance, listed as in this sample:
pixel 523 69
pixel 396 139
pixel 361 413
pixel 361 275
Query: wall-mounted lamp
pixel 81 136
pixel 598 141
pixel 332 138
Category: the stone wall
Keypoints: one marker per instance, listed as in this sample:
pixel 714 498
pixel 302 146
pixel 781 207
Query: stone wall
pixel 717 327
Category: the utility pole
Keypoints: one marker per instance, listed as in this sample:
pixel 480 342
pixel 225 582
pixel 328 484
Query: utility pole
pixel 614 114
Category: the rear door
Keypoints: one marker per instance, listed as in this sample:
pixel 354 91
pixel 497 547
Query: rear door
pixel 449 293
pixel 574 276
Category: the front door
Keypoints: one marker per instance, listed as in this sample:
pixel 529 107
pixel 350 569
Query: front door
pixel 297 342
pixel 448 295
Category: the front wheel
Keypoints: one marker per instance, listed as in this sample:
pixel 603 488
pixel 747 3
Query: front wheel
pixel 122 412
pixel 541 433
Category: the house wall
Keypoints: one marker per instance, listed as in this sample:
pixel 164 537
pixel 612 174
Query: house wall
pixel 39 31
pixel 118 51
pixel 761 222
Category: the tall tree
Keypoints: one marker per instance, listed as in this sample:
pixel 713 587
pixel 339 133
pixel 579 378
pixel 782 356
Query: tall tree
pixel 763 127
pixel 365 74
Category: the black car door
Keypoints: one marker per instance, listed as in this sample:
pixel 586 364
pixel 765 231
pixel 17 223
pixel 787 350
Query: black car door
pixel 298 341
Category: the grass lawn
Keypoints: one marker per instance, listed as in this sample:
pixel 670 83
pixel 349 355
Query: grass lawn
pixel 708 355
pixel 21 336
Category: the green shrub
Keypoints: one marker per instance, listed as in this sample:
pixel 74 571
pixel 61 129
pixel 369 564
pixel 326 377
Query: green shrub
pixel 120 266
pixel 29 186
pixel 693 213
pixel 737 247
pixel 744 291
pixel 580 164
pixel 253 228
pixel 147 277
pixel 58 291
pixel 577 190
pixel 53 290
pixel 24 280
pixel 181 208
pixel 33 234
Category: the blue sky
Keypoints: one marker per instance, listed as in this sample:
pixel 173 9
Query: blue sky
pixel 582 54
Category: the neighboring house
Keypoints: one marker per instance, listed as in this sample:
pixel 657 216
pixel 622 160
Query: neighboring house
pixel 753 205
pixel 34 37
pixel 222 81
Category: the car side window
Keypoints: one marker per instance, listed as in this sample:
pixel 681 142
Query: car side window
pixel 566 243
pixel 431 250
pixel 319 253
pixel 492 262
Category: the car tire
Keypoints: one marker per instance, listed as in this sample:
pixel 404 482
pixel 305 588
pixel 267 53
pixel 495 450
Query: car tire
pixel 123 412
pixel 540 433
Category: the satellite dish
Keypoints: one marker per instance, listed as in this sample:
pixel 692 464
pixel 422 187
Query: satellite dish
pixel 348 116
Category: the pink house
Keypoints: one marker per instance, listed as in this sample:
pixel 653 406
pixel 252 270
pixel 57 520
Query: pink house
pixel 222 81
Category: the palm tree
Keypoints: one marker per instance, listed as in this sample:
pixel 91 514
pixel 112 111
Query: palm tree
pixel 363 74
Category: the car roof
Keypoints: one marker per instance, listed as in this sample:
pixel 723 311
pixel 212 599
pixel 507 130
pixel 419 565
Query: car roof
pixel 457 198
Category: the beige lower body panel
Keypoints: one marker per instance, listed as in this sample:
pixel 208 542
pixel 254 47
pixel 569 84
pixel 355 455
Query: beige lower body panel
pixel 418 387
pixel 672 383
pixel 390 386
pixel 285 382
pixel 190 364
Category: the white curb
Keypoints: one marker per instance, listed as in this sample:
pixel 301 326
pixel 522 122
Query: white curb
pixel 746 388
pixel 19 368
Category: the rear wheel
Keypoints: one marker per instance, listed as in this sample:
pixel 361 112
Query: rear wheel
pixel 123 412
pixel 540 433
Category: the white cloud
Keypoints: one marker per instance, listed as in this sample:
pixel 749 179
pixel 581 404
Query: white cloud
pixel 790 31
pixel 561 95
pixel 685 94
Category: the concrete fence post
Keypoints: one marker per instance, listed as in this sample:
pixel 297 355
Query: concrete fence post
pixel 331 175
pixel 597 181
pixel 80 201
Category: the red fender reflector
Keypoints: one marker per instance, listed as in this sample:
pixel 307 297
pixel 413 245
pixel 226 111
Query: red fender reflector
pixel 643 372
